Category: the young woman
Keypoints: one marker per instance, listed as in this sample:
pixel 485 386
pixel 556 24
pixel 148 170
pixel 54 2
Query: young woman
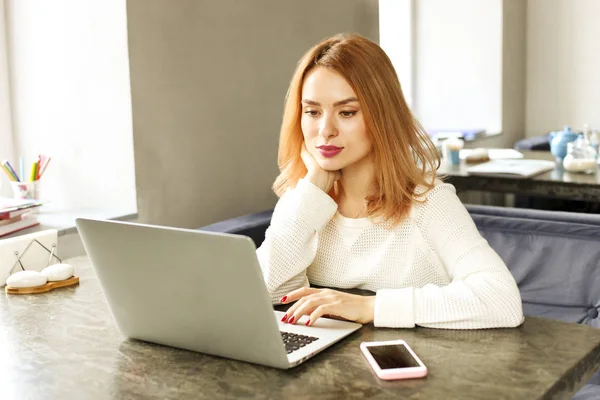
pixel 360 207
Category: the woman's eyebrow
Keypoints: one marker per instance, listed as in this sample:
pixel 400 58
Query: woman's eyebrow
pixel 336 104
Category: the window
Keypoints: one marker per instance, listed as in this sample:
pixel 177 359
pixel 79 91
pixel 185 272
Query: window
pixel 396 39
pixel 70 99
pixel 458 64
pixel 448 56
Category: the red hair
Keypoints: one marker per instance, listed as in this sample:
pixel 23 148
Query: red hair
pixel 403 154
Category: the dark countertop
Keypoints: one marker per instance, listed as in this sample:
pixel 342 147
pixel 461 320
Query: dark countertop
pixel 64 344
pixel 557 183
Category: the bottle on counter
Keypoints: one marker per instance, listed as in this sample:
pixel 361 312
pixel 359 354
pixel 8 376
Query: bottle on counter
pixel 582 156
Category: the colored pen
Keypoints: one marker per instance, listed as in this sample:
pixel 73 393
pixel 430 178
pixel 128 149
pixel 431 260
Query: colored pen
pixel 42 159
pixel 22 167
pixel 46 162
pixel 10 175
pixel 12 171
pixel 39 167
pixel 33 169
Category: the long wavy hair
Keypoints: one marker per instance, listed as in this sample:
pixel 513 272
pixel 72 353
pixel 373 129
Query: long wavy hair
pixel 403 154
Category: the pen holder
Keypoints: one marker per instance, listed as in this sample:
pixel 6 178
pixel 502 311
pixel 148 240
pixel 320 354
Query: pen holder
pixel 26 190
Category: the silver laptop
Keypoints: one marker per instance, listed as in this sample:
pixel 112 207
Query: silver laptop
pixel 200 291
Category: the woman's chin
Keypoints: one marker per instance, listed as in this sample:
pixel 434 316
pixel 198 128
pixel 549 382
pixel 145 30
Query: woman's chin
pixel 330 165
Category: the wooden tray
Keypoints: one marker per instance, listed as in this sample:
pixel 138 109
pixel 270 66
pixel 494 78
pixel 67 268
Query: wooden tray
pixel 74 280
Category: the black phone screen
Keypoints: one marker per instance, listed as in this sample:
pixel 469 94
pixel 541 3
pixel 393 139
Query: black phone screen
pixel 393 356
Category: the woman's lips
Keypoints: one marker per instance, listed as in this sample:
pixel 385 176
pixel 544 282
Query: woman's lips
pixel 330 151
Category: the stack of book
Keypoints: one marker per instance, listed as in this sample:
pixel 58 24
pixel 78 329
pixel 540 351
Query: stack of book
pixel 16 215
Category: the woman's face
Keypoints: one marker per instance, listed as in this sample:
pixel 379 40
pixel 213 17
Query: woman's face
pixel 332 121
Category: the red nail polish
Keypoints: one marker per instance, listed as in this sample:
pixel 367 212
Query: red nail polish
pixel 307 322
pixel 284 318
pixel 291 321
pixel 283 299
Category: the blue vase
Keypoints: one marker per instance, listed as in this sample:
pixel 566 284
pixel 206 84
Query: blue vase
pixel 559 140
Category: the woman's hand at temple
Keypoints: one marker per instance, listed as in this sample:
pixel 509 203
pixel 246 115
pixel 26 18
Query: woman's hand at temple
pixel 319 302
pixel 316 175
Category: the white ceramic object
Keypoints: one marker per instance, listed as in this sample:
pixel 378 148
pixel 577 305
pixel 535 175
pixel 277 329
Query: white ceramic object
pixel 26 279
pixel 573 164
pixel 37 256
pixel 58 272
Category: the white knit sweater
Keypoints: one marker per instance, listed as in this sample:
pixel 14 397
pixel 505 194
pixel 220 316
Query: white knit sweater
pixel 433 269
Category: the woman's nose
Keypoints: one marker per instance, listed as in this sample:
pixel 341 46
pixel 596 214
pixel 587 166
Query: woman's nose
pixel 327 128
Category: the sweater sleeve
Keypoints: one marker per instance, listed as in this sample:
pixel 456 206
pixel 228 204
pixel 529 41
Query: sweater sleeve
pixel 482 292
pixel 291 240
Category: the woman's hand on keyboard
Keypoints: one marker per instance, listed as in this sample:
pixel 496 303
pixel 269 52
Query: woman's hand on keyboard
pixel 321 302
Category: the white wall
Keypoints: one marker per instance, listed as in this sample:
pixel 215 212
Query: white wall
pixel 6 142
pixel 458 69
pixel 71 99
pixel 563 65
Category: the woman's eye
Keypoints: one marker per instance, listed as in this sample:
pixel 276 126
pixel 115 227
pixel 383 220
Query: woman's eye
pixel 348 114
pixel 312 113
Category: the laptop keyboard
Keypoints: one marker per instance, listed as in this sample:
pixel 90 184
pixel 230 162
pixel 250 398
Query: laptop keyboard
pixel 294 341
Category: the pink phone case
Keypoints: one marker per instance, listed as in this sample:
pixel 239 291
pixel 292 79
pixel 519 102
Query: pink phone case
pixel 395 373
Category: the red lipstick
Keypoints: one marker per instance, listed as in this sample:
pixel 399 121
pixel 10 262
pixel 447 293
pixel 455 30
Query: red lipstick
pixel 329 151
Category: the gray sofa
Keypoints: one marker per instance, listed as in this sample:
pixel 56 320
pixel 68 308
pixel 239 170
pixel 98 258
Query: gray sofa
pixel 554 257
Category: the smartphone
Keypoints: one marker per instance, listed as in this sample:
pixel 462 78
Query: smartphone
pixel 393 359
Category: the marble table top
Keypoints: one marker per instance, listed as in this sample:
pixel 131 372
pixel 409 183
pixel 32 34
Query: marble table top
pixel 556 183
pixel 64 345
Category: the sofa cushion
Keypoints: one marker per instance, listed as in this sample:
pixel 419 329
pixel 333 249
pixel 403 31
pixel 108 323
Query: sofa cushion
pixel 558 216
pixel 251 225
pixel 536 143
pixel 556 263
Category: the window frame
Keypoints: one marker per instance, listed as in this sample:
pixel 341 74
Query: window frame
pixel 7 143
